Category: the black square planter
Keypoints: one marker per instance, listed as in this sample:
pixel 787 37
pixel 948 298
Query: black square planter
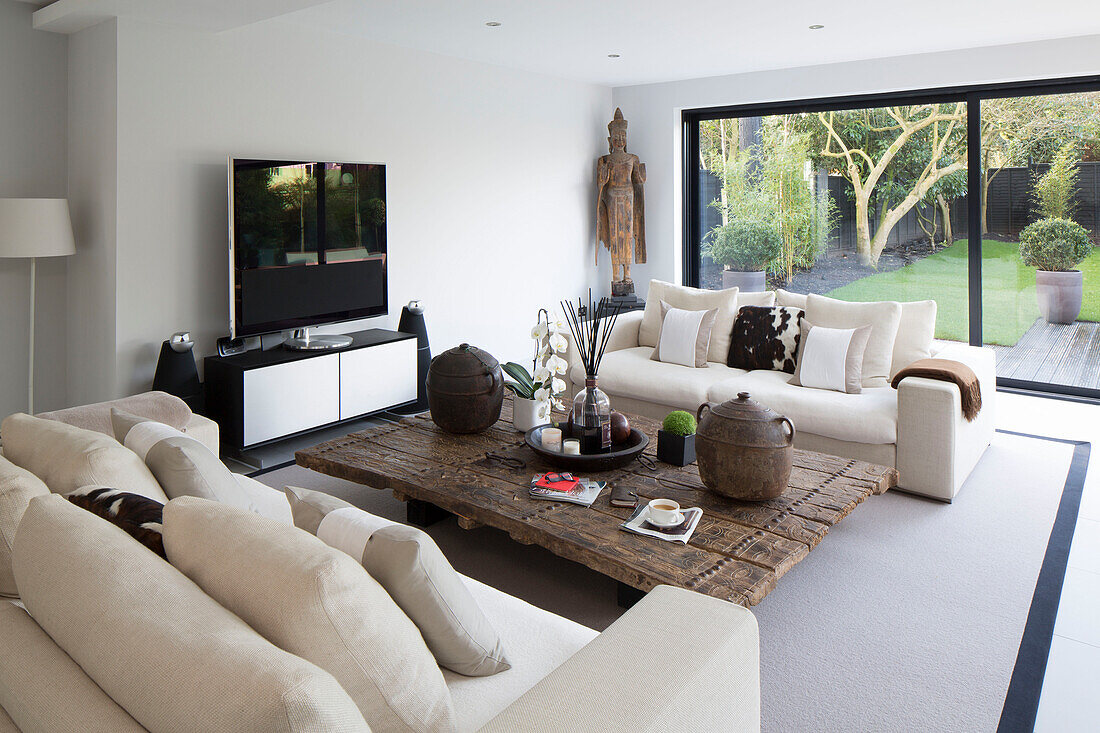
pixel 679 450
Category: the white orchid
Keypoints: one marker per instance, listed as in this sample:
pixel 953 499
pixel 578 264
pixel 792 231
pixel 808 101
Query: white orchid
pixel 542 375
pixel 559 343
pixel 539 332
pixel 558 325
pixel 542 394
pixel 557 365
pixel 557 386
pixel 558 404
pixel 542 412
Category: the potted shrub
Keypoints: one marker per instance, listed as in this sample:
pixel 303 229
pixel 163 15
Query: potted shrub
pixel 1055 247
pixel 676 439
pixel 745 247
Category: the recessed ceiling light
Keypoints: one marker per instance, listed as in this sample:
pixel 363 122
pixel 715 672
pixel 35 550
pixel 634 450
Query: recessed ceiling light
pixel 493 24
pixel 816 27
pixel 612 55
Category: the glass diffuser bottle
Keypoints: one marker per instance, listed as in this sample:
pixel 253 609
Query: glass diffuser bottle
pixel 592 418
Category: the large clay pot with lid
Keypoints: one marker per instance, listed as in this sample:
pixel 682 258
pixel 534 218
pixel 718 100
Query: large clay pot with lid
pixel 465 389
pixel 744 449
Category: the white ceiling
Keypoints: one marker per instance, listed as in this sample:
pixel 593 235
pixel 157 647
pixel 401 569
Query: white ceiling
pixel 658 40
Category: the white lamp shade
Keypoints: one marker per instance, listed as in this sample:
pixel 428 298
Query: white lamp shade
pixel 35 228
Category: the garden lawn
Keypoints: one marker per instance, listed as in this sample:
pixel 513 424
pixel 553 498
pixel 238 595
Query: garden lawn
pixel 1008 300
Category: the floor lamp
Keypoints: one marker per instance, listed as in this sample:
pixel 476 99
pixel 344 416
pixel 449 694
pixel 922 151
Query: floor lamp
pixel 34 228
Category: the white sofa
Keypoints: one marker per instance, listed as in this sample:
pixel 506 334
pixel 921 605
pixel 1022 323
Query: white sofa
pixel 564 676
pixel 917 428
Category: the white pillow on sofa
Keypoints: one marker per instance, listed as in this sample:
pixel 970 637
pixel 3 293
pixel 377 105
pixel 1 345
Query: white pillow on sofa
pixel 690 299
pixel 831 358
pixel 883 317
pixel 685 336
pixel 916 332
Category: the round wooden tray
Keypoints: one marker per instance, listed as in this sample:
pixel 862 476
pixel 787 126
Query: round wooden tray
pixel 621 453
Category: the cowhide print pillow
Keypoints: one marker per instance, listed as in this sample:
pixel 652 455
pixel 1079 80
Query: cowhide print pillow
pixel 765 338
pixel 138 515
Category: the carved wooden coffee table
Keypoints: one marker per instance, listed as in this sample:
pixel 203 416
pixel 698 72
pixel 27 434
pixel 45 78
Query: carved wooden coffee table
pixel 738 551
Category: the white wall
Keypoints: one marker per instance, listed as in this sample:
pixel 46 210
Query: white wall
pixel 32 164
pixel 653 111
pixel 489 175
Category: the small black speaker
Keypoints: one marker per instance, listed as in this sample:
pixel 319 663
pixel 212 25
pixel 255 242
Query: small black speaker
pixel 412 321
pixel 176 371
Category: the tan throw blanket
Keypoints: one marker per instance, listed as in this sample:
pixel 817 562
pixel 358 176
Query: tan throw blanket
pixel 947 370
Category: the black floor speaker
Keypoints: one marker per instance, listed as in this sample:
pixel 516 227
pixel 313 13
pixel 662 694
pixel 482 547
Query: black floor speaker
pixel 412 321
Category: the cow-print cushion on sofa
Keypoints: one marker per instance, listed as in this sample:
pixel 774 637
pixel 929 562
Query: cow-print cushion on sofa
pixel 139 516
pixel 765 338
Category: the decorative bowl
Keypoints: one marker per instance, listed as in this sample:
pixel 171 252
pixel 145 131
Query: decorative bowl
pixel 621 453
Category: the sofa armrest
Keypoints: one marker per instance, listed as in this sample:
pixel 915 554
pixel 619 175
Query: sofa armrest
pixel 204 430
pixel 623 336
pixel 937 446
pixel 709 681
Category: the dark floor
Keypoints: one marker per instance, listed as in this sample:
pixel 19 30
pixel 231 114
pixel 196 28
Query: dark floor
pixel 1067 355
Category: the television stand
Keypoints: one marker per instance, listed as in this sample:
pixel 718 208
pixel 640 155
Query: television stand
pixel 303 340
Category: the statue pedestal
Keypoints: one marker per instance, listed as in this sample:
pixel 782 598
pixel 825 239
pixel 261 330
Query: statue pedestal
pixel 627 302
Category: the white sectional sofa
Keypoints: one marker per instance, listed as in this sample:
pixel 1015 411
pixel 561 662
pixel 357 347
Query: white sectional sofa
pixel 127 610
pixel 917 428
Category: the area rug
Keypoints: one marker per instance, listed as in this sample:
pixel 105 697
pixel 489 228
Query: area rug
pixel 907 616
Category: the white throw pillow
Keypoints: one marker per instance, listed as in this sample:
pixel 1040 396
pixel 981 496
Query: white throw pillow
pixel 684 337
pixel 915 334
pixel 790 300
pixel 883 317
pixel 413 570
pixel 764 298
pixel 690 299
pixel 831 358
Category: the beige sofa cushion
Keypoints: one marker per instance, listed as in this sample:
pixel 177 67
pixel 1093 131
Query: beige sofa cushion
pixel 690 299
pixel 154 642
pixel 310 507
pixel 868 417
pixel 67 457
pixel 17 487
pixel 631 373
pixel 883 318
pixel 159 406
pixel 412 569
pixel 916 330
pixel 44 689
pixel 684 337
pixel 316 602
pixel 789 299
pixel 765 298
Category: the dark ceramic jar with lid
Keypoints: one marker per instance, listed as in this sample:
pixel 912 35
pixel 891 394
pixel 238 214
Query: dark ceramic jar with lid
pixel 465 388
pixel 744 449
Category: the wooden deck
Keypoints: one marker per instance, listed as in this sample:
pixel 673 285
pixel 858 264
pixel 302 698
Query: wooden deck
pixel 1056 354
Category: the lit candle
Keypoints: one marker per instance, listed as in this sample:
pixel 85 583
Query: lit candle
pixel 551 438
pixel 571 447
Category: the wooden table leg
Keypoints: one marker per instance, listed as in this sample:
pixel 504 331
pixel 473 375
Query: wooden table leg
pixel 422 514
pixel 628 595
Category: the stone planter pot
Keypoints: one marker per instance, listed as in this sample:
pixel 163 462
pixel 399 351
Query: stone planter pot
pixel 678 450
pixel 747 281
pixel 525 414
pixel 1059 295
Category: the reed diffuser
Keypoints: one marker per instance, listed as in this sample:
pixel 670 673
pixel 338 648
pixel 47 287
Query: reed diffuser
pixel 591 330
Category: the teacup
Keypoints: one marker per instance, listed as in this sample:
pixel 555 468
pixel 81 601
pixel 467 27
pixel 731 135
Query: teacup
pixel 664 511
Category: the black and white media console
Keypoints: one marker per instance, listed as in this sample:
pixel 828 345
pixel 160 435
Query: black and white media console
pixel 261 396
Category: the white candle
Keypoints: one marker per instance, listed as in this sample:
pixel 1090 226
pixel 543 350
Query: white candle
pixel 571 447
pixel 551 438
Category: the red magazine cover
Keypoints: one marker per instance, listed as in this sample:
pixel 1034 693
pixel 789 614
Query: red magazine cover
pixel 564 482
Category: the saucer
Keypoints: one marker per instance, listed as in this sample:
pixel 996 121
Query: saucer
pixel 665 525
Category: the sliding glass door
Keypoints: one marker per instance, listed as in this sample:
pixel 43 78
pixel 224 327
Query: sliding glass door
pixel 871 199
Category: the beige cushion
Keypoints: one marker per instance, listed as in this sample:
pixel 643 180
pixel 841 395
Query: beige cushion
pixel 310 507
pixel 690 299
pixel 765 298
pixel 537 640
pixel 868 417
pixel 44 689
pixel 17 487
pixel 883 318
pixel 632 373
pixel 831 358
pixel 154 641
pixel 68 457
pixel 916 330
pixel 315 602
pixel 410 566
pixel 787 298
pixel 159 406
pixel 685 336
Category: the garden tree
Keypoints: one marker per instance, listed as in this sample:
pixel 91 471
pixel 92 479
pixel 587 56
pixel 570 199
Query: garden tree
pixel 891 156
pixel 1020 131
pixel 1055 191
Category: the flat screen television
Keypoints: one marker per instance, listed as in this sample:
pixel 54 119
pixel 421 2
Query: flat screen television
pixel 307 244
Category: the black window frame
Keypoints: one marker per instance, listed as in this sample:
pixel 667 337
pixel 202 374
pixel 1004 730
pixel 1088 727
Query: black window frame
pixel 971 94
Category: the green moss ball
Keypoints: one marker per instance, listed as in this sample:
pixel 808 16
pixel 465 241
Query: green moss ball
pixel 679 423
